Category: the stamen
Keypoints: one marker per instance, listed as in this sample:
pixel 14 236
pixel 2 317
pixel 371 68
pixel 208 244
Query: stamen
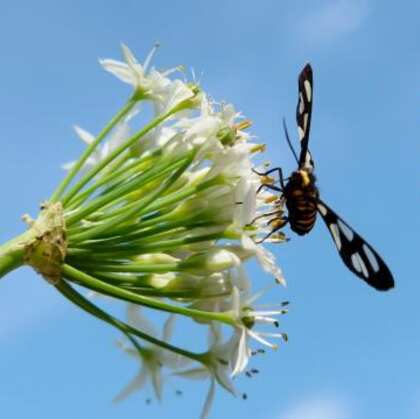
pixel 257 337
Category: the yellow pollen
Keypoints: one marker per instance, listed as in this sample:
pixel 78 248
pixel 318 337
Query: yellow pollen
pixel 270 199
pixel 267 180
pixel 280 222
pixel 243 124
pixel 258 148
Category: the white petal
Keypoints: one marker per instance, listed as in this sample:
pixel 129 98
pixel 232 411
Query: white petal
pixel 137 383
pixel 224 380
pixel 157 381
pixel 242 354
pixel 137 320
pixel 150 56
pixel 129 350
pixel 245 212
pixel 128 56
pixel 236 302
pixel 119 70
pixel 168 328
pixel 68 166
pixel 258 295
pixel 215 334
pixel 209 400
pixel 84 135
pixel 242 281
pixel 198 373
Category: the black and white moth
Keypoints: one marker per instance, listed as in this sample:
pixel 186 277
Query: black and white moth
pixel 303 202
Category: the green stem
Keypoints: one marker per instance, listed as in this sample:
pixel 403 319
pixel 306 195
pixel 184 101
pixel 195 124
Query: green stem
pixel 107 178
pixel 65 289
pixel 186 294
pixel 102 164
pixel 113 196
pixel 135 211
pixel 132 267
pixel 89 150
pixel 113 291
pixel 12 252
pixel 139 236
pixel 133 249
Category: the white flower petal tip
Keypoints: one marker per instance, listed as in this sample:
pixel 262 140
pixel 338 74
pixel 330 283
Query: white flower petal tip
pixel 265 258
pixel 281 281
pixel 68 166
pixel 84 135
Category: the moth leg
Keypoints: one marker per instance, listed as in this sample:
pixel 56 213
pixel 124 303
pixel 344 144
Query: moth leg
pixel 268 172
pixel 267 214
pixel 281 223
pixel 269 186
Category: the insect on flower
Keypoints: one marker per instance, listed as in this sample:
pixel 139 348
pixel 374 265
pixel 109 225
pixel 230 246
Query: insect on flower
pixel 302 200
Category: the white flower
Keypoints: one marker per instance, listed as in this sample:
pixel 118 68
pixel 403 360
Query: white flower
pixel 170 95
pixel 150 84
pixel 233 279
pixel 131 72
pixel 215 260
pixel 152 357
pixel 218 367
pixel 246 318
pixel 233 162
pixel 118 136
pixel 265 258
pixel 153 140
pixel 197 133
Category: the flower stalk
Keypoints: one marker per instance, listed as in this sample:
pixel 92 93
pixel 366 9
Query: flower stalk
pixel 129 105
pixel 12 253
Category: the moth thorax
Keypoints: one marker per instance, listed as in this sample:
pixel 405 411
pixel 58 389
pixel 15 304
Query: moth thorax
pixel 305 177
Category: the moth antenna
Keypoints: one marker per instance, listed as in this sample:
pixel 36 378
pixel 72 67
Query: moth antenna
pixel 288 140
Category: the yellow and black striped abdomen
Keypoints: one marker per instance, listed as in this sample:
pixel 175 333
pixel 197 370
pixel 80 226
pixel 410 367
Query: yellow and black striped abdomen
pixel 301 201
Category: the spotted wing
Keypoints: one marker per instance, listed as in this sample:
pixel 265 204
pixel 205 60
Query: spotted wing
pixel 356 253
pixel 303 116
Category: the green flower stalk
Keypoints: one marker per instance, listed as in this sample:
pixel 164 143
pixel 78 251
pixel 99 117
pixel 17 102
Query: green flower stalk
pixel 162 217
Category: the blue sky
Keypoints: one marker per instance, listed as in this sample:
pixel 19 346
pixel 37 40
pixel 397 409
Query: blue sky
pixel 353 353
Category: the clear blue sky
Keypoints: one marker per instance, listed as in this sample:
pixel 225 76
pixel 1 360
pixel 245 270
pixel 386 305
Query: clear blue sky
pixel 353 353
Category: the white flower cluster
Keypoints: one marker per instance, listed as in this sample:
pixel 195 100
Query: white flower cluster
pixel 188 244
